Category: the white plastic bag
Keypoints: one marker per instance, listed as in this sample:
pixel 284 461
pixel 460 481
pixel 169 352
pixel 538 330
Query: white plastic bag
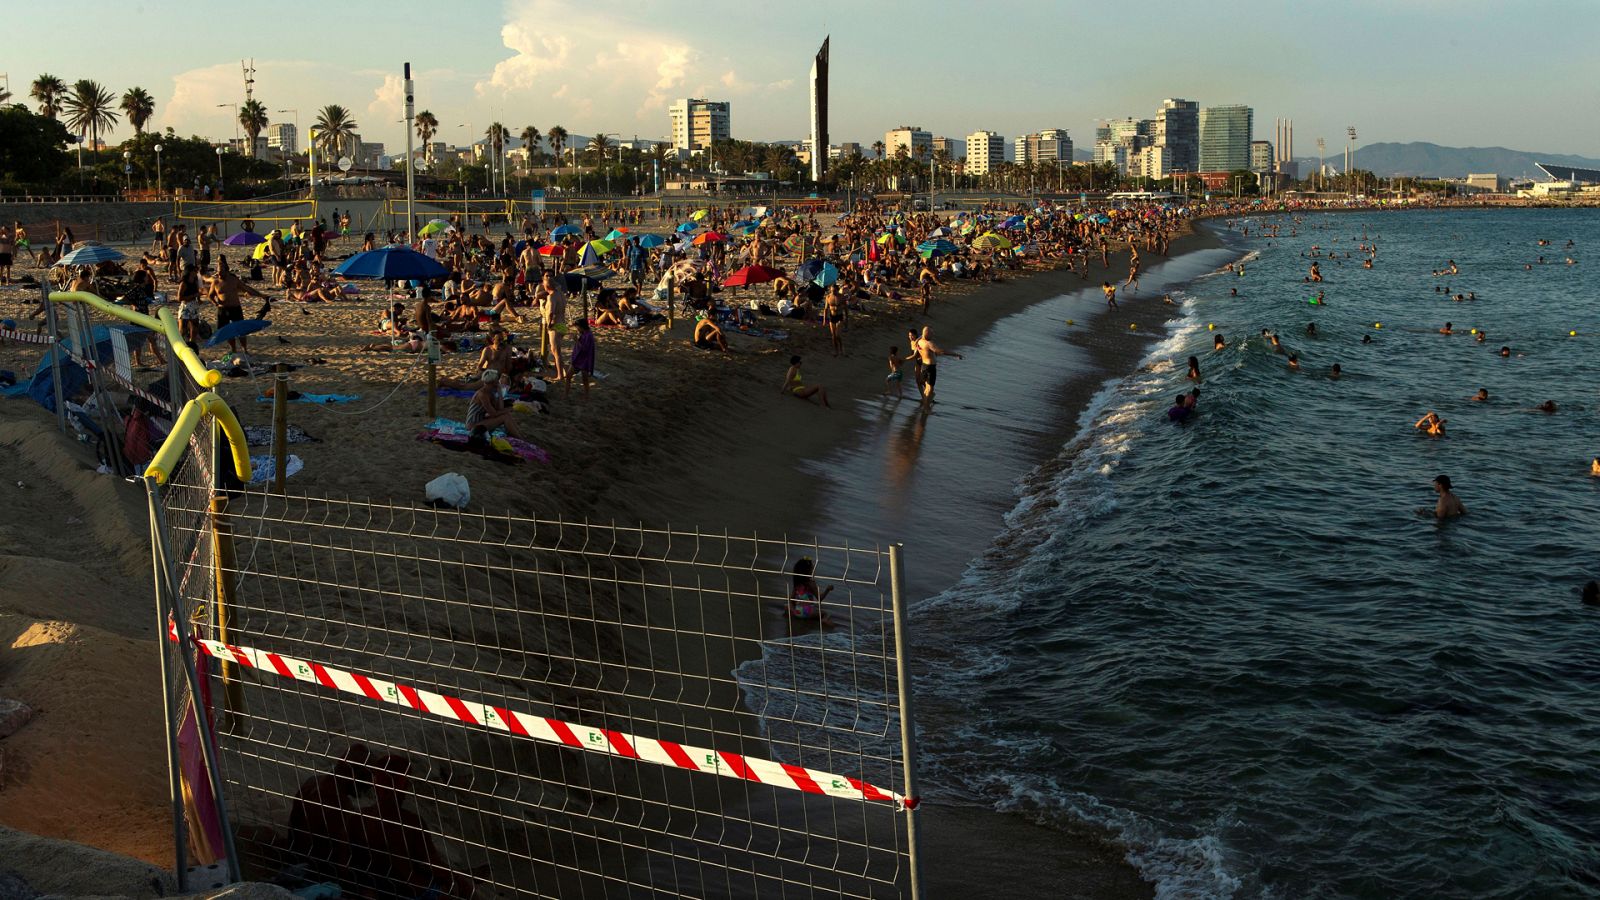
pixel 451 488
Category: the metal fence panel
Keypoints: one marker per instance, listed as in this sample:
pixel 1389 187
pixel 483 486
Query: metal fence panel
pixel 479 705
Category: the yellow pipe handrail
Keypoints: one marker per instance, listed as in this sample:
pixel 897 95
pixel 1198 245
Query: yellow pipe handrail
pixel 166 458
pixel 189 417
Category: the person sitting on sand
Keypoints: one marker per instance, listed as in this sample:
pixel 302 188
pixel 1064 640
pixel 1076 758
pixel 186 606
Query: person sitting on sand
pixel 794 384
pixel 1449 504
pixel 805 600
pixel 707 336
pixel 1431 424
pixel 485 409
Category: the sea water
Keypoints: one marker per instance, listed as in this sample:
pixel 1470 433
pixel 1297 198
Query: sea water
pixel 1236 642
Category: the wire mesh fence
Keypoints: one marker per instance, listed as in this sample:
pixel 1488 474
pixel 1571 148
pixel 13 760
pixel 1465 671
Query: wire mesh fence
pixel 424 700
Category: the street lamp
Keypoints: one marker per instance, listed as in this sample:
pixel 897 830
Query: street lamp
pixel 219 165
pixel 127 169
pixel 235 119
pixel 158 170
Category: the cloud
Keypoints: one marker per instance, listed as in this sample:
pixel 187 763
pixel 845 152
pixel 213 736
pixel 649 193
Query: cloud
pixel 628 62
pixel 388 101
pixel 197 93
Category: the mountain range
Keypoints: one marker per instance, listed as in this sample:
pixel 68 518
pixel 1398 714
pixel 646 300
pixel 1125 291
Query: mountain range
pixel 1422 158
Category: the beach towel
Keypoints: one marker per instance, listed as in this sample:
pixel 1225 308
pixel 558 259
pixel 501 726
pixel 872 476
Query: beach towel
pixel 450 431
pixel 317 398
pixel 756 331
pixel 261 435
pixel 262 469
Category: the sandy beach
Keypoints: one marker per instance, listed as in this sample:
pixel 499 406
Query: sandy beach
pixel 657 440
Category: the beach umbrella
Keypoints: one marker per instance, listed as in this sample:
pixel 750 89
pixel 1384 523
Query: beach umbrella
pixel 593 273
pixel 1012 222
pixel 564 230
pixel 599 248
pixel 754 212
pixel 891 237
pixel 699 215
pixel 89 255
pixel 991 241
pixel 745 228
pixel 235 330
pixel 395 263
pixel 689 268
pixel 929 248
pixel 943 231
pixel 244 239
pixel 433 228
pixel 819 272
pixel 616 234
pixel 651 241
pixel 687 227
pixel 552 250
pixel 751 275
pixel 800 244
pixel 710 237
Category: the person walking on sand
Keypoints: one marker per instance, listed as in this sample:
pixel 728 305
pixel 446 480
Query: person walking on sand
pixel 926 281
pixel 551 296
pixel 224 292
pixel 794 384
pixel 929 352
pixel 583 353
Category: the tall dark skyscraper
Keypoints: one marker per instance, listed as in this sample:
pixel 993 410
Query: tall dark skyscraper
pixel 819 112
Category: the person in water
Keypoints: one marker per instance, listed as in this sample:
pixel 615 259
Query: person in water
pixel 1549 406
pixel 1594 467
pixel 1449 504
pixel 1181 410
pixel 1449 328
pixel 1194 368
pixel 1218 343
pixel 805 600
pixel 1482 396
pixel 1431 424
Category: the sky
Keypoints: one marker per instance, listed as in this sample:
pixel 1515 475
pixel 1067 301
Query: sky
pixel 1455 72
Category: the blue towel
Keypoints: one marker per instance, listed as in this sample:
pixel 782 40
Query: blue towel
pixel 318 398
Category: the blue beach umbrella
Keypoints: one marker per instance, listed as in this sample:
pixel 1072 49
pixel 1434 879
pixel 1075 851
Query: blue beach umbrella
pixel 819 272
pixel 395 262
pixel 564 230
pixel 687 227
pixel 244 239
pixel 235 330
pixel 650 241
pixel 929 248
pixel 89 255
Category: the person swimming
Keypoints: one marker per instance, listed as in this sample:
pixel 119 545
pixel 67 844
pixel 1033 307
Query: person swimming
pixel 1449 504
pixel 1336 372
pixel 1311 329
pixel 1449 328
pixel 1294 363
pixel 1549 406
pixel 1505 352
pixel 1218 342
pixel 1481 396
pixel 1431 424
pixel 1194 368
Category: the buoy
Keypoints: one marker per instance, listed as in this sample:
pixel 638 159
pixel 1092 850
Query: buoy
pixel 1133 324
pixel 1377 324
pixel 1070 322
pixel 1473 331
pixel 1572 334
pixel 1211 326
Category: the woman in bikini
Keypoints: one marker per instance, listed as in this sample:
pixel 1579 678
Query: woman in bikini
pixel 794 384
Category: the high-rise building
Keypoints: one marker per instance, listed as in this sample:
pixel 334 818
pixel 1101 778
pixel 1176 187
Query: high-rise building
pixel 985 152
pixel 911 138
pixel 819 111
pixel 845 150
pixel 954 148
pixel 284 138
pixel 1120 141
pixel 241 145
pixel 1049 146
pixel 1283 155
pixel 697 123
pixel 1261 156
pixel 1225 138
pixel 1177 132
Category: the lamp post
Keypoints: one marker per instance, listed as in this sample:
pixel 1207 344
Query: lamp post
pixel 296 113
pixel 219 165
pixel 127 170
pixel 235 119
pixel 158 170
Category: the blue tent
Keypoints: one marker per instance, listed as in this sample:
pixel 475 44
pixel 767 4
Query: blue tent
pixel 41 387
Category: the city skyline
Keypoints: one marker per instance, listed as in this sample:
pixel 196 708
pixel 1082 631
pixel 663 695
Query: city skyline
pixel 619 74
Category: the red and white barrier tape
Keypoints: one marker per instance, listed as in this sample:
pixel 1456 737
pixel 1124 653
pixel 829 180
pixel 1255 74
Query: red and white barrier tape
pixel 555 731
pixel 25 337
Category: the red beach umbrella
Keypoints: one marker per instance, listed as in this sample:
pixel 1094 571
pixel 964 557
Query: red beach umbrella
pixel 751 275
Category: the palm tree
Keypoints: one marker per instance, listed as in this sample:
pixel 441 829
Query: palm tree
pixel 4 95
pixel 557 136
pixel 90 110
pixel 427 126
pixel 600 145
pixel 139 107
pixel 48 91
pixel 878 147
pixel 253 119
pixel 530 139
pixel 336 131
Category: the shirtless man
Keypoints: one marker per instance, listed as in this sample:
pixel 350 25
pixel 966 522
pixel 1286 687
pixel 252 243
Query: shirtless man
pixel 551 295
pixel 224 292
pixel 1110 290
pixel 926 280
pixel 1449 504
pixel 927 352
pixel 8 248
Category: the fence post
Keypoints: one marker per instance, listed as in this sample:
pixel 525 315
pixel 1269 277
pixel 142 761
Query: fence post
pixel 55 357
pixel 671 285
pixel 280 426
pixel 224 562
pixel 908 727
pixel 169 702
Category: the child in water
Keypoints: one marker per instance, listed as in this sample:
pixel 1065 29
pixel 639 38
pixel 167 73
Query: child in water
pixel 805 601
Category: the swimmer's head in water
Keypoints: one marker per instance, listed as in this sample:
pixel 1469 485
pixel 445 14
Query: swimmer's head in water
pixel 1505 351
pixel 1442 482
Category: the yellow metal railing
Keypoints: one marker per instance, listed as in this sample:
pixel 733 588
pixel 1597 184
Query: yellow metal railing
pixel 188 419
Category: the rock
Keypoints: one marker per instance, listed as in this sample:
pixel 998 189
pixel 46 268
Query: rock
pixel 14 887
pixel 13 715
